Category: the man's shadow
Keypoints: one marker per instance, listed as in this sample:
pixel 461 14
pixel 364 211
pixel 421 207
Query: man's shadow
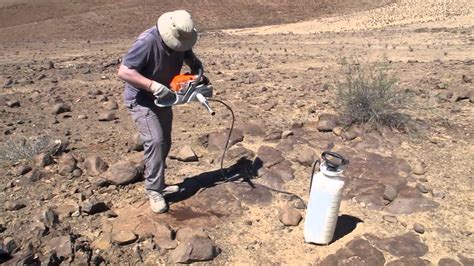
pixel 242 169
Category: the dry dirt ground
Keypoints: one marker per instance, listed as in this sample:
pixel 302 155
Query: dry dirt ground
pixel 278 81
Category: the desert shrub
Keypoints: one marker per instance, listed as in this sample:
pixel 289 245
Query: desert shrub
pixel 368 94
pixel 21 148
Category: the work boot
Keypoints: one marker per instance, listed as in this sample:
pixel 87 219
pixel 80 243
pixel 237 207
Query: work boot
pixel 157 201
pixel 170 190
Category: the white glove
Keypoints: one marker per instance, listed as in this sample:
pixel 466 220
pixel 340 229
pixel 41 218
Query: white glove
pixel 160 91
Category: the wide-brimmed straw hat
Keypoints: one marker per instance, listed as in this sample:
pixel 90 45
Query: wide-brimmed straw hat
pixel 177 30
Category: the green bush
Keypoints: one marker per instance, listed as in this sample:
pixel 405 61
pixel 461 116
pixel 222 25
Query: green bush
pixel 369 95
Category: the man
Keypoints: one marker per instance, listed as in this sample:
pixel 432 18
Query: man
pixel 148 68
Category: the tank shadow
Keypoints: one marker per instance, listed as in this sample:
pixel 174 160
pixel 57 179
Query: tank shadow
pixel 345 225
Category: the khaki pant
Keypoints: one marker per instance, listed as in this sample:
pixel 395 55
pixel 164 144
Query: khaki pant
pixel 154 124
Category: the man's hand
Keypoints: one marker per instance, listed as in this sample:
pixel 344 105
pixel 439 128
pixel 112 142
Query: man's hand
pixel 160 91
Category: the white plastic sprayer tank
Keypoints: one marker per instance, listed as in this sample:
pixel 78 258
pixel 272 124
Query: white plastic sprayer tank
pixel 324 201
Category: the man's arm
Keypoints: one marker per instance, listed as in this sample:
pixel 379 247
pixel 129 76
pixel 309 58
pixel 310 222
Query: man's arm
pixel 134 78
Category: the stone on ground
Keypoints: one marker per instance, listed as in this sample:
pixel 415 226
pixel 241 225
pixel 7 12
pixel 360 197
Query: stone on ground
pixel 187 233
pixel 409 261
pixel 61 108
pixel 124 237
pixel 268 157
pixel 289 216
pixel 216 141
pixel 122 173
pixel 185 154
pixel 193 250
pixel 407 245
pixel 67 164
pixel 306 157
pixel 62 245
pixel 95 165
pixel 357 252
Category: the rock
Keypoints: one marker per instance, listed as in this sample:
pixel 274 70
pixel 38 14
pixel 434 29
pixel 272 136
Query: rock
pixel 13 103
pixel 326 123
pixel 465 260
pixel 24 258
pixel 285 134
pixel 422 188
pixel 50 218
pixel 409 261
pixel 390 218
pixel 216 141
pixel 467 78
pixel 268 157
pixel 237 153
pixel 186 233
pixel 252 129
pixel 22 169
pixel 419 169
pixel 306 157
pixel 185 154
pixel 448 262
pixel 403 246
pixel 95 165
pixel 9 245
pixel 67 164
pixel 93 206
pixel 122 173
pixel 273 135
pixel 194 250
pixel 459 96
pixel 107 116
pixel 390 193
pixel 39 230
pixel 34 175
pixel 352 133
pixel 64 211
pixel 77 172
pixel 410 200
pixel 62 245
pixel 124 237
pixel 438 194
pixel 289 216
pixel 111 105
pixel 135 143
pixel 60 108
pixel 13 205
pixel 43 159
pixel 337 131
pixel 103 242
pixel 357 252
pixel 284 170
pixel 419 228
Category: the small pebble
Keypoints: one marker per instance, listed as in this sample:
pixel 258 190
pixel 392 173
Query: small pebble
pixel 419 228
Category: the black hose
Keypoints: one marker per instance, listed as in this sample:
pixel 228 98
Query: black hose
pixel 223 173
